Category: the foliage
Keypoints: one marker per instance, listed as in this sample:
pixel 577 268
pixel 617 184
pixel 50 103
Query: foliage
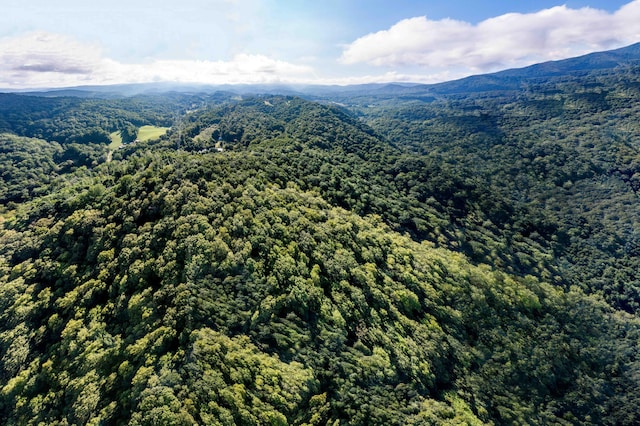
pixel 464 260
pixel 87 120
pixel 26 164
pixel 564 151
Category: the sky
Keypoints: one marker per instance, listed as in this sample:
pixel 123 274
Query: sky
pixel 63 43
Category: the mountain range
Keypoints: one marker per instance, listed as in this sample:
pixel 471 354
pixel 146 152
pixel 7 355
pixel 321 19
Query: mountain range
pixel 458 253
pixel 502 80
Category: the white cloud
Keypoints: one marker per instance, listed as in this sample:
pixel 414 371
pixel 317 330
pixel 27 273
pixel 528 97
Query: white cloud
pixel 40 56
pixel 508 40
pixel 416 50
pixel 51 60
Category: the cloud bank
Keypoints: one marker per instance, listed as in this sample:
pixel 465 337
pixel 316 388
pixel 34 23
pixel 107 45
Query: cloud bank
pixel 40 60
pixel 509 40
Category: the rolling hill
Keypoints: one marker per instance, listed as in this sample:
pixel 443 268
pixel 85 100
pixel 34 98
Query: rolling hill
pixel 450 254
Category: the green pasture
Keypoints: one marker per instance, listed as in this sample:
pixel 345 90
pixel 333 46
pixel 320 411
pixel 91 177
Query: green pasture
pixel 116 140
pixel 146 133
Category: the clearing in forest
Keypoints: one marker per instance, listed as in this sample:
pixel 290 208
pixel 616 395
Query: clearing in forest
pixel 116 140
pixel 146 133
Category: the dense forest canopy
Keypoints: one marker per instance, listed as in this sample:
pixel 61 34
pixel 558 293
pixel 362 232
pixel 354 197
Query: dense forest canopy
pixel 460 254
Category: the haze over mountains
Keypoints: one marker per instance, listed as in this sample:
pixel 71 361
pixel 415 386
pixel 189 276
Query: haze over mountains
pixel 507 79
pixel 458 253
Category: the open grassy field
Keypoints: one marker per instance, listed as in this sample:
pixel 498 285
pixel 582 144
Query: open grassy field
pixel 116 140
pixel 146 133
pixel 205 134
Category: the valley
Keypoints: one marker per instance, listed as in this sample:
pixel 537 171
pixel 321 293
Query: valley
pixel 460 253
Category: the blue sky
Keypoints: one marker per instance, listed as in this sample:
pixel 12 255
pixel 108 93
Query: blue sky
pixel 57 43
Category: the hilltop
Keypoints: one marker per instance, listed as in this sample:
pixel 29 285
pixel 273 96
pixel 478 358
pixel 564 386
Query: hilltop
pixel 463 253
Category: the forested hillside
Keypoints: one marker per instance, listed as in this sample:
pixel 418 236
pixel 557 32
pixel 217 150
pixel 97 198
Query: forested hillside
pixel 567 148
pixel 428 258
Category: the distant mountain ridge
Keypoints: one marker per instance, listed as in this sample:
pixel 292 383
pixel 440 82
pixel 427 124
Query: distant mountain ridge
pixel 510 79
pixel 514 78
pixel 374 254
pixel 629 55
